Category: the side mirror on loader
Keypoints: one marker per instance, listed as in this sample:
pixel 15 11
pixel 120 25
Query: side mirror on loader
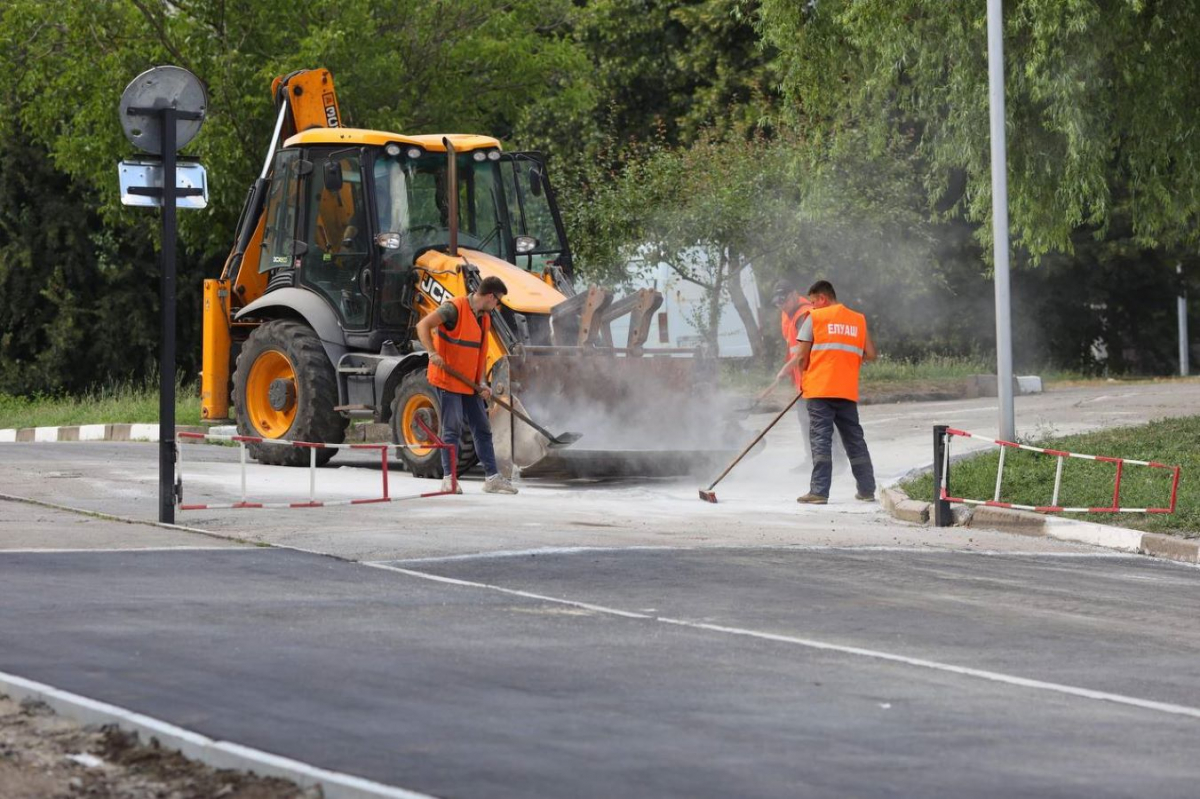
pixel 333 176
pixel 535 182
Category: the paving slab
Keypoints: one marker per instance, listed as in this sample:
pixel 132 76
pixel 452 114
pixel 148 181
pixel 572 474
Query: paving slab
pixel 28 526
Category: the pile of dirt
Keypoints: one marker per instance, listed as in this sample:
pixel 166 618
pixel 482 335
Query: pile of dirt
pixel 46 756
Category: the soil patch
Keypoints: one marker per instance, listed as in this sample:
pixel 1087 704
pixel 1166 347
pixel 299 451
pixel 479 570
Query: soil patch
pixel 46 756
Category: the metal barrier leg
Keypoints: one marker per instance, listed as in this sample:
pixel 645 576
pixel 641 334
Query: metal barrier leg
pixel 1000 473
pixel 383 451
pixel 1057 482
pixel 242 457
pixel 312 474
pixel 178 481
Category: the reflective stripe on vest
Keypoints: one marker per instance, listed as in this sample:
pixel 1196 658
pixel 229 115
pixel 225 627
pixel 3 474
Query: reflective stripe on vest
pixel 839 340
pixel 462 348
pixel 844 347
pixel 460 342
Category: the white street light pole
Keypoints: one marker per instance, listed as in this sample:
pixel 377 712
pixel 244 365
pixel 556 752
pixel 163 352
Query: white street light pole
pixel 1004 368
pixel 1181 305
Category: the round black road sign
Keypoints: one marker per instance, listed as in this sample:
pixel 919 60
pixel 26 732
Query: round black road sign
pixel 154 90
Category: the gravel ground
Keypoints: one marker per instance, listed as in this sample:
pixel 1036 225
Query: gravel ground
pixel 46 756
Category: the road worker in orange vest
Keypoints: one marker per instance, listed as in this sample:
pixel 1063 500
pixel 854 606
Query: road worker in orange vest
pixel 455 336
pixel 834 343
pixel 794 308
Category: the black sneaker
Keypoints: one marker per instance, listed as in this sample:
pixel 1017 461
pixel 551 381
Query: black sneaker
pixel 864 497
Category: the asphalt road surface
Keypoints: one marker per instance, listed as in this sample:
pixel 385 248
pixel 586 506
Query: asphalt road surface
pixel 689 673
pixel 619 638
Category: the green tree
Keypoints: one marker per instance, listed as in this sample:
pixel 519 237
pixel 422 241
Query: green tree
pixel 721 206
pixel 78 304
pixel 79 264
pixel 670 70
pixel 460 65
pixel 1103 104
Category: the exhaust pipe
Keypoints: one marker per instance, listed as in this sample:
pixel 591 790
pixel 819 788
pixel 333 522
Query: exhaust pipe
pixel 452 195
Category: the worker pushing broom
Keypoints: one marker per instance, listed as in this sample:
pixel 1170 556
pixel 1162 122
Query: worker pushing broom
pixel 827 348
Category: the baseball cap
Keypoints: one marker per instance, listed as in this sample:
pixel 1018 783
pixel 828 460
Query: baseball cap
pixel 781 290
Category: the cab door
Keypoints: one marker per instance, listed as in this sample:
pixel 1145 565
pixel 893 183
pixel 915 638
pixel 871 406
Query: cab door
pixel 533 211
pixel 336 259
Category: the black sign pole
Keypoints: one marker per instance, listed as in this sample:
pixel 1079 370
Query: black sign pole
pixel 942 515
pixel 166 366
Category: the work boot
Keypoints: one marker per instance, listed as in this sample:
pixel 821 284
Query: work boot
pixel 812 499
pixel 497 484
pixel 448 486
pixel 865 496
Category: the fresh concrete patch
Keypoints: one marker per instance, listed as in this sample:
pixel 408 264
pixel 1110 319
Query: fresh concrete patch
pixel 898 504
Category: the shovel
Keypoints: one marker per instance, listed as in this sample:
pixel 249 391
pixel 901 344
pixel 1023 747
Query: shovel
pixel 562 440
pixel 707 494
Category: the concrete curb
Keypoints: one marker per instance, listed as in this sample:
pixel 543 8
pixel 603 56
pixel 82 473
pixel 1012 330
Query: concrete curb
pixel 218 754
pixel 898 504
pixel 149 432
pixel 89 432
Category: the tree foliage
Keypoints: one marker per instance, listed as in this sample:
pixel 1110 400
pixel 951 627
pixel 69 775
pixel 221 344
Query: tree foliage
pixel 453 66
pixel 723 205
pixel 1103 102
pixel 78 268
pixel 675 70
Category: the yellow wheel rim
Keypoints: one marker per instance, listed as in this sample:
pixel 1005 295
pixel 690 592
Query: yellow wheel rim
pixel 419 407
pixel 271 370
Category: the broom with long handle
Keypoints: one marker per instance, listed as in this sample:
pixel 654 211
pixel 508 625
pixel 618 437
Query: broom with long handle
pixel 707 494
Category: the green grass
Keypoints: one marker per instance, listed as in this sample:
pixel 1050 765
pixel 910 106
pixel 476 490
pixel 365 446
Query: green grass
pixel 126 401
pixel 885 371
pixel 933 367
pixel 1029 477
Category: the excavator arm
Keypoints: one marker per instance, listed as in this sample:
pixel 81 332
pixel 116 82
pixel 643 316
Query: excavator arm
pixel 304 100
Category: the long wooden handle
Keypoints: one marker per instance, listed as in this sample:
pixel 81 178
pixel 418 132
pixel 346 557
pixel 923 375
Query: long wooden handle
pixel 757 439
pixel 508 407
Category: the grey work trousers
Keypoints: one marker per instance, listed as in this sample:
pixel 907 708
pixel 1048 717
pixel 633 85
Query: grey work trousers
pixel 823 416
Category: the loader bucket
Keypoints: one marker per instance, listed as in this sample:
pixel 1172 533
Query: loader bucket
pixel 639 414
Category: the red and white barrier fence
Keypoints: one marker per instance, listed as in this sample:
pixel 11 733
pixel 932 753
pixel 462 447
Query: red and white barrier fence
pixel 312 447
pixel 1053 507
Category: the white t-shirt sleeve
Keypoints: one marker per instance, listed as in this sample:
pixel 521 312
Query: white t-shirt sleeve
pixel 806 330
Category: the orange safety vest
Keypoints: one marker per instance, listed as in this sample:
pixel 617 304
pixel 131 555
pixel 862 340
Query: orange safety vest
pixel 839 338
pixel 791 328
pixel 463 348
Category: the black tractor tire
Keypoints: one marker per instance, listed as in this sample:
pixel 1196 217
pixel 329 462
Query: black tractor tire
pixel 417 396
pixel 312 393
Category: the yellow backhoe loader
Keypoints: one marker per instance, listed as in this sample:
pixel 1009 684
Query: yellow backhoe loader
pixel 349 237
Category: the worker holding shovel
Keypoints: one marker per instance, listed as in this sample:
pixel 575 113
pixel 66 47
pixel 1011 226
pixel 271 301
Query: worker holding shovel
pixel 455 336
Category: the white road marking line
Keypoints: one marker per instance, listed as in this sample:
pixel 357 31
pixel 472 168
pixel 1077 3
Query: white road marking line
pixel 966 671
pixel 994 676
pixel 512 591
pixel 33 551
pixel 219 754
pixel 516 553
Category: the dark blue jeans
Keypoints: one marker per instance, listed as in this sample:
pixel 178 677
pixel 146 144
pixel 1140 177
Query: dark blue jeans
pixel 454 409
pixel 823 416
